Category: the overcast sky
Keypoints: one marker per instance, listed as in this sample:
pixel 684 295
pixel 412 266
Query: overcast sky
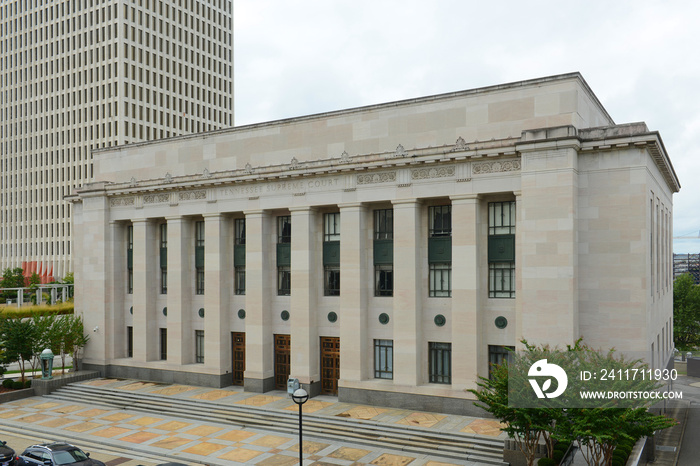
pixel 641 58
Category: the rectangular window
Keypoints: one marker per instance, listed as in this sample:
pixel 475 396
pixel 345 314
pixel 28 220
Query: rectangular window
pixel 130 259
pixel 440 280
pixel 440 362
pixel 331 227
pixel 130 342
pixel 331 254
pixel 331 285
pixel 499 354
pixel 383 280
pixel 384 224
pixel 383 359
pixel 284 229
pixel 199 257
pixel 284 281
pixel 501 249
pixel 502 280
pixel 199 346
pixel 239 278
pixel 239 256
pixel 163 344
pixel 440 221
pixel 164 258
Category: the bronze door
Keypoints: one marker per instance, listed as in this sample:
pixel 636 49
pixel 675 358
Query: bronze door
pixel 282 360
pixel 238 352
pixel 330 365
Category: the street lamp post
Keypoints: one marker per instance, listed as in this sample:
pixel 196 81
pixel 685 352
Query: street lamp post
pixel 300 397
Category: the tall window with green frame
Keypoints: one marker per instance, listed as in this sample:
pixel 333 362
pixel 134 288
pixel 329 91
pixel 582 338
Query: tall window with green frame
pixel 199 256
pixel 199 346
pixel 440 362
pixel 501 249
pixel 130 259
pixel 440 251
pixel 239 256
pixel 163 258
pixel 331 254
pixel 284 240
pixel 384 252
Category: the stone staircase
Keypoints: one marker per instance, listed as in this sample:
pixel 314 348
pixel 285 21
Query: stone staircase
pixel 448 445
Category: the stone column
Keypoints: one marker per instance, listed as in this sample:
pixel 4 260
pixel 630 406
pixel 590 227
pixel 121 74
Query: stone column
pixel 409 347
pixel 115 313
pixel 548 233
pixel 468 350
pixel 218 276
pixel 353 293
pixel 260 286
pixel 180 290
pixel 307 278
pixel 145 288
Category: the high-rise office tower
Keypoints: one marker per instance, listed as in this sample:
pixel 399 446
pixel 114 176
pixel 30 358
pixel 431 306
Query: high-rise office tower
pixel 80 75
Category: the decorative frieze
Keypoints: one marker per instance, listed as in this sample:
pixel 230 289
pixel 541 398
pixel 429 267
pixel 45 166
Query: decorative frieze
pixel 159 198
pixel 122 201
pixel 496 167
pixel 192 195
pixel 433 172
pixel 373 178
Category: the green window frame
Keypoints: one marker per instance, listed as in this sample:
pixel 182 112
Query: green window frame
pixel 440 280
pixel 383 359
pixel 129 342
pixel 331 281
pixel 383 280
pixel 163 258
pixel 199 346
pixel 439 221
pixel 130 259
pixel 284 281
pixel 440 362
pixel 501 249
pixel 199 257
pixel 163 344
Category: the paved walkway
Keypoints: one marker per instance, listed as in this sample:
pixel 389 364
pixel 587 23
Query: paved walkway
pixel 189 441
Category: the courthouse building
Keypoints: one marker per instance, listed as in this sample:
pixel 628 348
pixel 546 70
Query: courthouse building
pixel 387 254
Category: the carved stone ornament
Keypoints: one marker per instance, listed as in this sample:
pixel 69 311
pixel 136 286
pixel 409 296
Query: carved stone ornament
pixel 372 178
pixel 496 167
pixel 168 178
pixel 206 173
pixel 433 172
pixel 460 145
pixel 294 164
pixel 248 169
pixel 156 198
pixel 192 195
pixel 344 157
pixel 400 151
pixel 133 181
pixel 125 201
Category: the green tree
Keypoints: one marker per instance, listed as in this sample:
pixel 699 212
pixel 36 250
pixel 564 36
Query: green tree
pixel 597 425
pixel 17 336
pixel 12 278
pixel 686 313
pixel 74 338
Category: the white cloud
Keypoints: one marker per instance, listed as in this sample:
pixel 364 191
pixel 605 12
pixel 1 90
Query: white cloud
pixel 299 57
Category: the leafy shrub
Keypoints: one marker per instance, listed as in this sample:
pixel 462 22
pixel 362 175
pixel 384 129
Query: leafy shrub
pixel 547 462
pixel 558 455
pixel 28 383
pixel 7 383
pixel 17 385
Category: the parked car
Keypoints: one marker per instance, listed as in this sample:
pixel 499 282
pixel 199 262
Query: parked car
pixel 7 455
pixel 58 454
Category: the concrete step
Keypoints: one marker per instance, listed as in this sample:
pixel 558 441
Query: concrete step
pixel 449 445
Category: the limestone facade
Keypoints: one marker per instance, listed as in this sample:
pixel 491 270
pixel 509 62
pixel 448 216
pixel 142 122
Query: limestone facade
pixel 385 253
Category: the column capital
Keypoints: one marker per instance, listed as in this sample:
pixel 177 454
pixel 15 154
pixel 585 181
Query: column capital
pixel 212 215
pixel 140 220
pixel 254 212
pixel 352 205
pixel 464 197
pixel 400 202
pixel 302 209
pixel 174 218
